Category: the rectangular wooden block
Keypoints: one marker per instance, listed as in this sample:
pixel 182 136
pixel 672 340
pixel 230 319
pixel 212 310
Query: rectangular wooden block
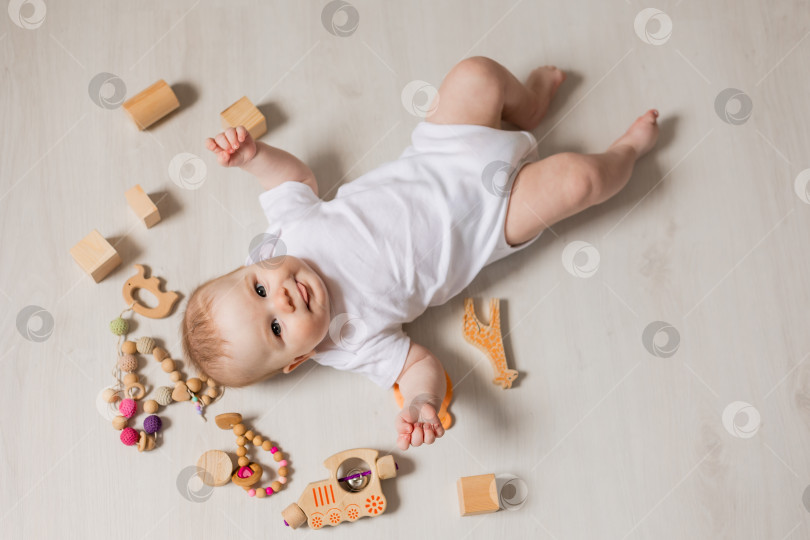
pixel 244 113
pixel 95 255
pixel 477 494
pixel 142 205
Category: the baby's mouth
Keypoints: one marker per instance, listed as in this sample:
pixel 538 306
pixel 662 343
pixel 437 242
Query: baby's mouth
pixel 304 293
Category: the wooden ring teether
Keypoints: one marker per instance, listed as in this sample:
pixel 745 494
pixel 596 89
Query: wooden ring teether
pixel 166 299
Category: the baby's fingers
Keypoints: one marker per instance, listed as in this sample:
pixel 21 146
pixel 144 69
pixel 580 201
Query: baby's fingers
pixel 430 436
pixel 223 143
pixel 417 436
pixel 403 441
pixel 403 426
pixel 230 134
pixel 241 133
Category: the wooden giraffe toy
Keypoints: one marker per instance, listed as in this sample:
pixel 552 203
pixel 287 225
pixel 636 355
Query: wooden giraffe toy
pixel 489 340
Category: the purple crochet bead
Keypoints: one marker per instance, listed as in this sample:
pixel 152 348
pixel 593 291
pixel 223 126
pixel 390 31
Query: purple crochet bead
pixel 152 424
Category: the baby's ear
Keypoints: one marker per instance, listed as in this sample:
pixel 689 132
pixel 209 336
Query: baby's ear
pixel 297 362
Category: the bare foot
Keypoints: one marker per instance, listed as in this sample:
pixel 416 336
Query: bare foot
pixel 641 136
pixel 544 81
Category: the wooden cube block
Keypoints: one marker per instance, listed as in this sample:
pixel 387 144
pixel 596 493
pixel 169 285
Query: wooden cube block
pixel 244 113
pixel 477 494
pixel 95 255
pixel 151 105
pixel 142 205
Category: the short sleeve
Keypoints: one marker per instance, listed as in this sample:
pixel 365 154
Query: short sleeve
pixel 282 206
pixel 287 202
pixel 380 358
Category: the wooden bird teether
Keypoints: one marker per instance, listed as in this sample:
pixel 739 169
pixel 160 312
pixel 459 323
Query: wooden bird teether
pixel 489 340
pixel 166 299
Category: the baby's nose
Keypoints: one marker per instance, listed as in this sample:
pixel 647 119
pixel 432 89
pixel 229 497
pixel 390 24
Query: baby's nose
pixel 283 300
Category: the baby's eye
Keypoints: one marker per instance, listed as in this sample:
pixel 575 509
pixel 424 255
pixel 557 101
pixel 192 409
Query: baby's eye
pixel 261 291
pixel 276 327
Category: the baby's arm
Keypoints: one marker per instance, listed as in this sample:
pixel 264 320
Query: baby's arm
pixel 235 147
pixel 422 384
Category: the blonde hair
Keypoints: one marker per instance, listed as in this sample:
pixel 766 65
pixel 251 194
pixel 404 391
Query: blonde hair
pixel 203 344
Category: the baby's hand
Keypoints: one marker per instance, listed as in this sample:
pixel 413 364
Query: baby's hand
pixel 416 424
pixel 234 147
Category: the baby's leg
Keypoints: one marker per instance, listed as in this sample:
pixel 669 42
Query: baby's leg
pixel 480 91
pixel 562 185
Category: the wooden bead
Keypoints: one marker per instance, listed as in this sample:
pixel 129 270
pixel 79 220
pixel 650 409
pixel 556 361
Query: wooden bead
pixel 212 383
pixel 175 376
pixel 241 451
pixel 249 434
pixel 257 440
pixel 282 471
pixel 267 445
pixel 206 400
pixel 129 347
pixel 239 429
pixel 167 365
pixel 243 461
pixel 203 377
pixel 276 485
pixel 194 384
pixel 130 378
pixel 261 493
pixel 120 422
pixel 110 395
pixel 180 392
pixel 278 456
pixel 160 354
pixel 151 406
pixel 212 393
pixel 241 441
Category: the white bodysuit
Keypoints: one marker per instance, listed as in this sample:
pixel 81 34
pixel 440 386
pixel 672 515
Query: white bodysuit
pixel 410 234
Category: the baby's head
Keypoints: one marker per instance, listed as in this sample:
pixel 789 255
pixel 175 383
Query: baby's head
pixel 256 321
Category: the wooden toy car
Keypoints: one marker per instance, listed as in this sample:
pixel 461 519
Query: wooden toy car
pixel 352 490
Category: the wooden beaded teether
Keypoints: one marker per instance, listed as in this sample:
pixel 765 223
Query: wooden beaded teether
pixel 129 390
pixel 248 474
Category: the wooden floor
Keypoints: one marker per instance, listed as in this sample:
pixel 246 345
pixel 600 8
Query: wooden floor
pixel 665 383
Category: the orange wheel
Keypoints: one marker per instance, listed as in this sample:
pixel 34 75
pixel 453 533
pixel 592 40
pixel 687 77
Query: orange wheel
pixel 316 520
pixel 353 512
pixel 334 516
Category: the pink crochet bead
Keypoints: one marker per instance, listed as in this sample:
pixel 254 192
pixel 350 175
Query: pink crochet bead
pixel 269 490
pixel 127 408
pixel 282 480
pixel 129 436
pixel 273 450
pixel 251 492
pixel 282 463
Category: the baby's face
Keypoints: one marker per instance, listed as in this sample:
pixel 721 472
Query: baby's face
pixel 272 313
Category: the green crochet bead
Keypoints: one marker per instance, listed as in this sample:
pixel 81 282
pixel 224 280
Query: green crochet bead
pixel 119 326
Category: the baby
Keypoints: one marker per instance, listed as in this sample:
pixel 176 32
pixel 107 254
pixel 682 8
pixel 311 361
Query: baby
pixel 334 281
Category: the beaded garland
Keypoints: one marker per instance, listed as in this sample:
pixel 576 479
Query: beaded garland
pixel 248 474
pixel 129 390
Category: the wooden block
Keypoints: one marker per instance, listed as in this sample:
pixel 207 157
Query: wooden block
pixel 477 494
pixel 244 113
pixel 215 468
pixel 142 205
pixel 151 105
pixel 95 255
